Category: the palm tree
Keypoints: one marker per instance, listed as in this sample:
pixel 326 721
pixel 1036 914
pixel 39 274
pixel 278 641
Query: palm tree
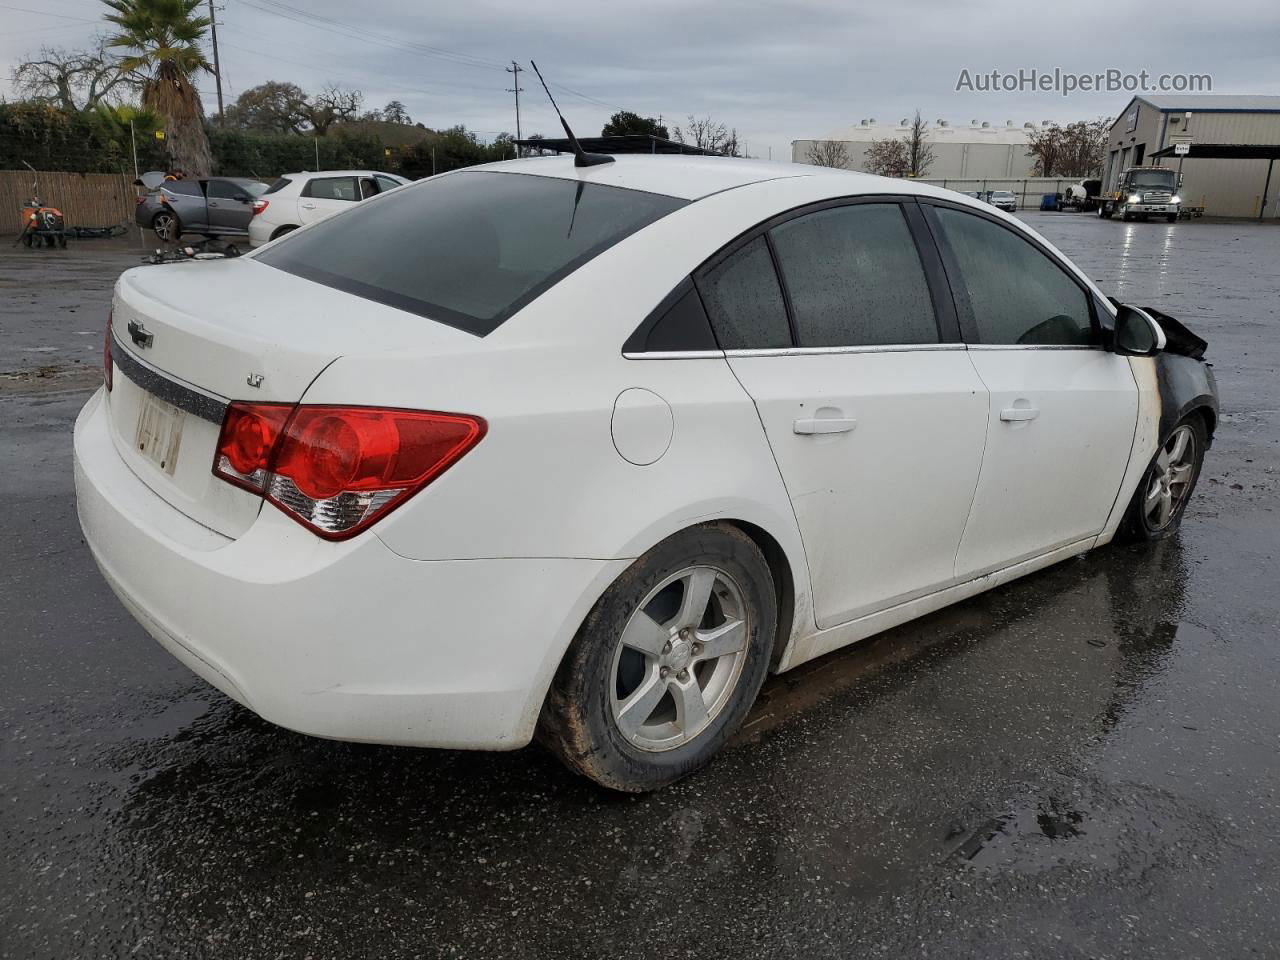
pixel 161 38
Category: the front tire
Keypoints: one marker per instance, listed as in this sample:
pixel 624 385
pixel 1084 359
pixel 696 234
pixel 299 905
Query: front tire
pixel 667 663
pixel 1156 510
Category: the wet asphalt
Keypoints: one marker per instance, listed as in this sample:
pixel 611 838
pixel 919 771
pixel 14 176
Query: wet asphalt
pixel 1084 763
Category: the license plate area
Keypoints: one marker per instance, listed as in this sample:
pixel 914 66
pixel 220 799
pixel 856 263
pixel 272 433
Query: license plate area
pixel 159 432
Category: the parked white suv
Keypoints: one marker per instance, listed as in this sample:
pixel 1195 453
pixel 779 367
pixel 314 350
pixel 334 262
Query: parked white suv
pixel 297 199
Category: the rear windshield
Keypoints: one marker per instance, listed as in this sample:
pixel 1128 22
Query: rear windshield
pixel 468 249
pixel 279 185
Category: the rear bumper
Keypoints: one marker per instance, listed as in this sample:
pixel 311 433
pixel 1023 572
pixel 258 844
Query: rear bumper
pixel 259 231
pixel 343 640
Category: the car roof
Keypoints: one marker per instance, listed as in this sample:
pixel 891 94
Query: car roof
pixel 692 178
pixel 340 173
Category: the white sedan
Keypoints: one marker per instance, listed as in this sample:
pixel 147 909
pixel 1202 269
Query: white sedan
pixel 297 199
pixel 584 452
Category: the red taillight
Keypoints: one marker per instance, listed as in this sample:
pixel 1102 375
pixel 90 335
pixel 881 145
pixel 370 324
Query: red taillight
pixel 249 435
pixel 106 355
pixel 336 470
pixel 259 206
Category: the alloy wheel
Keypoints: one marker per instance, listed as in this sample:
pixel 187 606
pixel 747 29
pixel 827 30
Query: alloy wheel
pixel 163 227
pixel 679 658
pixel 1170 478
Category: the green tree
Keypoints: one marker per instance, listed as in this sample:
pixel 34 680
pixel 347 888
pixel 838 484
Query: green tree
pixel 270 107
pixel 395 112
pixel 625 123
pixel 162 41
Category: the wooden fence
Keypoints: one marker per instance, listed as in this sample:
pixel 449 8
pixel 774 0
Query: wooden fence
pixel 85 199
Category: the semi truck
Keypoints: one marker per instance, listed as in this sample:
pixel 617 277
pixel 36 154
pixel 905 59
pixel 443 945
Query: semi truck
pixel 1142 193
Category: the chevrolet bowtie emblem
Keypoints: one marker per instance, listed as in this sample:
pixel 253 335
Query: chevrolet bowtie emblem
pixel 139 335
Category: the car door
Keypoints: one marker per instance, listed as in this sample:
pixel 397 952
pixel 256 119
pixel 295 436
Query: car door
pixel 185 198
pixel 875 416
pixel 230 207
pixel 1063 409
pixel 324 196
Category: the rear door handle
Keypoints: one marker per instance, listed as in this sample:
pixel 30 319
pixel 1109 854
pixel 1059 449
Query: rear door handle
pixel 308 206
pixel 1018 414
pixel 824 425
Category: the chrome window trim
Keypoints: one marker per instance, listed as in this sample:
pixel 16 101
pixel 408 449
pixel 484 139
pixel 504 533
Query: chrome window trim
pixel 1038 346
pixel 676 355
pixel 824 351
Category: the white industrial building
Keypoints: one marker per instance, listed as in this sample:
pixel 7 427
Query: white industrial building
pixel 974 151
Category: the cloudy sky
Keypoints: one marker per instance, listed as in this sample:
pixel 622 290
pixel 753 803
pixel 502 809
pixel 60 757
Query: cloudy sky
pixel 776 71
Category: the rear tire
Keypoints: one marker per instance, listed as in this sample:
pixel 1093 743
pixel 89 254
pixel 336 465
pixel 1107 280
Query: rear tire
pixel 1157 507
pixel 1172 218
pixel 167 227
pixel 282 231
pixel 698 616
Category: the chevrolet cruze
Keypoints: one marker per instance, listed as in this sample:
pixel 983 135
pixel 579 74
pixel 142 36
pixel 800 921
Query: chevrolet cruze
pixel 583 452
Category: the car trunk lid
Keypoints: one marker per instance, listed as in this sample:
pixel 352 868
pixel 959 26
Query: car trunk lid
pixel 190 338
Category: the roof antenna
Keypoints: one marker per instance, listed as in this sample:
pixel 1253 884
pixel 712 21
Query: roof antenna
pixel 581 157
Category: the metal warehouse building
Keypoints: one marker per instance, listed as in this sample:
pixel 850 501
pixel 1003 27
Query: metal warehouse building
pixel 977 151
pixel 1229 143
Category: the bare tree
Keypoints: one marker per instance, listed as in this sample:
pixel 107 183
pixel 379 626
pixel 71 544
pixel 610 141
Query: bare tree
pixel 330 106
pixel 1045 145
pixel 1076 150
pixel 828 153
pixel 888 158
pixel 919 151
pixel 708 134
pixel 72 79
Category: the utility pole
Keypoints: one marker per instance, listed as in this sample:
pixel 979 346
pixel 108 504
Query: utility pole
pixel 217 67
pixel 515 70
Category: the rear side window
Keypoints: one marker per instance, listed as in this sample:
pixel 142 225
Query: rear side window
pixel 744 300
pixel 367 188
pixel 854 278
pixel 226 190
pixel 386 183
pixel 331 188
pixel 280 184
pixel 1016 294
pixel 188 188
pixel 468 249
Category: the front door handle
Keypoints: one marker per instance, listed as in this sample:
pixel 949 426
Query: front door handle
pixel 824 425
pixel 308 206
pixel 1019 414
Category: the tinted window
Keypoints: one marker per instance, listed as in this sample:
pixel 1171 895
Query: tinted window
pixel 188 188
pixel 1016 294
pixel 332 188
pixel 854 278
pixel 468 249
pixel 367 188
pixel 230 190
pixel 279 185
pixel 744 300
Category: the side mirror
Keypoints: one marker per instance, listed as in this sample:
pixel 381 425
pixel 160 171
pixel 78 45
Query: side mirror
pixel 1137 334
